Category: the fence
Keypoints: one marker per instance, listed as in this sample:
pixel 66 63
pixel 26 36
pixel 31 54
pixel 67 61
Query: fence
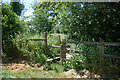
pixel 63 49
pixel 101 44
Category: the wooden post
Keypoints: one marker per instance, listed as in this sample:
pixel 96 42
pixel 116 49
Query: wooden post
pixel 64 49
pixel 59 39
pixel 45 42
pixel 102 48
pixel 61 52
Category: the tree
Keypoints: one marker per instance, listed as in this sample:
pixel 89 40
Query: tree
pixel 84 20
pixel 95 21
pixel 10 23
pixel 17 7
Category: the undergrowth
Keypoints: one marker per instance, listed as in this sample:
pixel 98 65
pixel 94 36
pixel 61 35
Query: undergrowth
pixel 34 52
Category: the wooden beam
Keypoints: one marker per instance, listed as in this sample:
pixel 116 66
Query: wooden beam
pixel 112 44
pixel 53 46
pixel 93 43
pixel 36 39
pixel 85 42
pixel 52 59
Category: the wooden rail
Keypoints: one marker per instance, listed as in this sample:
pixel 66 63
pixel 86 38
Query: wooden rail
pixel 93 43
pixel 101 44
pixel 52 59
pixel 53 46
pixel 36 39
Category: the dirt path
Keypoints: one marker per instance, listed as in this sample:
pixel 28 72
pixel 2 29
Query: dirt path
pixel 21 65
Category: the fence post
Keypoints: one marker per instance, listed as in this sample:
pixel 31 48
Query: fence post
pixel 59 39
pixel 102 48
pixel 61 53
pixel 64 49
pixel 45 42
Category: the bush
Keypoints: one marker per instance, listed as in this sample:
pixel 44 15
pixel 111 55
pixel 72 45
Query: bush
pixel 100 64
pixel 57 67
pixel 31 50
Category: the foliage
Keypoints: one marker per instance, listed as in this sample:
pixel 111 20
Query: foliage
pixel 57 67
pixel 11 24
pixel 29 49
pixel 34 50
pixel 40 23
pixel 98 64
pixel 17 7
pixel 74 19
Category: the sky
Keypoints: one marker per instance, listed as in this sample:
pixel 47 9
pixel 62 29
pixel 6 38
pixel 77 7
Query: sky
pixel 28 9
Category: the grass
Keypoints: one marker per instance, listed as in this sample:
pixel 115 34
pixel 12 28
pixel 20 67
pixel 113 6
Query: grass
pixel 31 73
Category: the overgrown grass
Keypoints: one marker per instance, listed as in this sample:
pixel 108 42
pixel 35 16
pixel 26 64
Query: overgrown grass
pixel 31 73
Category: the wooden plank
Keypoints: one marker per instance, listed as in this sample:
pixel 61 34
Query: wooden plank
pixel 36 39
pixel 53 46
pixel 55 53
pixel 52 59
